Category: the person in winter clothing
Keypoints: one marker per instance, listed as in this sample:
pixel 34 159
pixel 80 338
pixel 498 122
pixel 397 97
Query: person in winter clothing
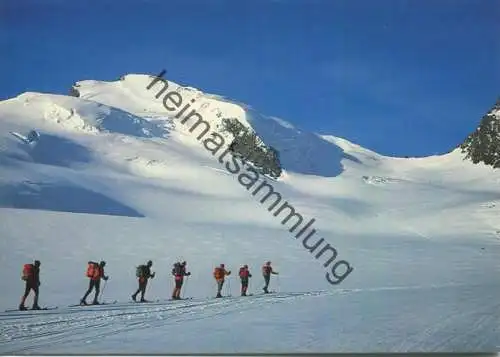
pixel 244 275
pixel 179 272
pixel 145 274
pixel 31 274
pixel 219 274
pixel 97 273
pixel 267 270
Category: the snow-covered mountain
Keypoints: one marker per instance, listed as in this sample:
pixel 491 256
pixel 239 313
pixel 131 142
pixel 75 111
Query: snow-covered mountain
pixel 374 253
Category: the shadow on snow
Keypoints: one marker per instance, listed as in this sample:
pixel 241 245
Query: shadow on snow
pixel 57 196
pixel 300 152
pixel 51 150
pixel 115 120
pixel 61 198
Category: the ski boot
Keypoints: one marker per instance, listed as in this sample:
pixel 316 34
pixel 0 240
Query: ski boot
pixel 134 297
pixel 36 307
pixel 22 308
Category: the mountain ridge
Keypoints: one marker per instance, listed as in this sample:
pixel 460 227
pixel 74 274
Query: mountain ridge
pixel 249 111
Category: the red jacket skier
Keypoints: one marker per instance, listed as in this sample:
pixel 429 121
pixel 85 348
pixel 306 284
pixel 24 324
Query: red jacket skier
pixel 95 272
pixel 267 270
pixel 31 274
pixel 179 272
pixel 244 275
pixel 219 274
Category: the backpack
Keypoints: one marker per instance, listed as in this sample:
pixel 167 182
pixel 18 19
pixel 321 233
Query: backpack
pixel 140 271
pixel 266 270
pixel 218 273
pixel 177 270
pixel 93 270
pixel 27 271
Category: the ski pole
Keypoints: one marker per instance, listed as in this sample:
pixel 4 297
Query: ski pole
pixel 228 287
pixel 185 287
pixel 102 291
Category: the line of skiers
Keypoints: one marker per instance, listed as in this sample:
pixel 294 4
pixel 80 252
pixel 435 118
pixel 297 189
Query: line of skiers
pixel 95 272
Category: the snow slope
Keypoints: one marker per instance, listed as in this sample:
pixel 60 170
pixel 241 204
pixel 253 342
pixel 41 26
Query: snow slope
pixel 115 176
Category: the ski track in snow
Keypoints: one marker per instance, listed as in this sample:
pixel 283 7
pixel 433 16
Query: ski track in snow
pixel 40 329
pixel 29 332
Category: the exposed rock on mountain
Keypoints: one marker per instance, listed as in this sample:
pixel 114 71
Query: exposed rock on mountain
pixel 483 145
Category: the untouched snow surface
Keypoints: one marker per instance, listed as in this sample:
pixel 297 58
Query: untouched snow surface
pixel 115 176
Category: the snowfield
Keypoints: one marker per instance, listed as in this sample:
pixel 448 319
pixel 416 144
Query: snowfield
pixel 114 176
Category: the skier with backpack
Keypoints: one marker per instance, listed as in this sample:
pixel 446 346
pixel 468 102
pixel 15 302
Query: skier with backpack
pixel 31 275
pixel 143 273
pixel 179 272
pixel 95 272
pixel 219 274
pixel 267 270
pixel 244 275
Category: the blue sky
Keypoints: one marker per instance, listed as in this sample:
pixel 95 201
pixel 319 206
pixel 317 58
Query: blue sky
pixel 399 77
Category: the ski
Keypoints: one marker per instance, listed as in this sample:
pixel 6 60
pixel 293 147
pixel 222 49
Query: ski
pixel 41 309
pixel 248 295
pixel 188 298
pixel 102 303
pixel 146 302
pixel 108 302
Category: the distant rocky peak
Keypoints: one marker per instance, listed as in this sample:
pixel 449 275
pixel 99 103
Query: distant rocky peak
pixel 483 145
